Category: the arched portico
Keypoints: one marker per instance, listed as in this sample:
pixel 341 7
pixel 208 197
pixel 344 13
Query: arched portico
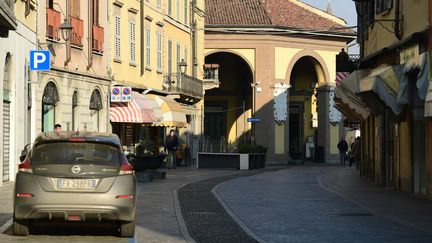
pixel 227 108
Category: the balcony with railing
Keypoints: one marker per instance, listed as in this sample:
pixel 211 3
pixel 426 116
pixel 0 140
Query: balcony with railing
pixel 7 17
pixel 211 76
pixel 77 32
pixel 98 38
pixel 53 23
pixel 184 85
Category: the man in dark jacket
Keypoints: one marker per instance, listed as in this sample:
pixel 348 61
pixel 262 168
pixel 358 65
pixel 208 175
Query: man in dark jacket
pixel 343 148
pixel 172 144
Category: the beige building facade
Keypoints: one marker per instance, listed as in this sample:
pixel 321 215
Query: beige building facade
pixel 284 81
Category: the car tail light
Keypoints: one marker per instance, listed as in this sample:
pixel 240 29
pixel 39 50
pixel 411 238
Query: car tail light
pixel 125 167
pixel 77 140
pixel 24 195
pixel 74 218
pixel 25 166
pixel 125 197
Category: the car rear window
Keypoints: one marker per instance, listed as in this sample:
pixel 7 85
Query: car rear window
pixel 76 153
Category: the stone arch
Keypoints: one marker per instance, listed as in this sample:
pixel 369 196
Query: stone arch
pixel 320 66
pixel 245 59
pixel 50 101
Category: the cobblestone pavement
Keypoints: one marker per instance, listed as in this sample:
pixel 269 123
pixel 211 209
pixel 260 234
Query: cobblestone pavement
pixel 324 204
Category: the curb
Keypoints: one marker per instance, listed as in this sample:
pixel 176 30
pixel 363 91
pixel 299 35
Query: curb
pixel 181 223
pixel 232 214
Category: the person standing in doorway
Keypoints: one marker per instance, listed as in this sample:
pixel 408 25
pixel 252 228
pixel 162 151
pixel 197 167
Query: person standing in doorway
pixel 343 148
pixel 171 144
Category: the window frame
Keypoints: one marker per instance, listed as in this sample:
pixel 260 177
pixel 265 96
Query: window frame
pixel 117 37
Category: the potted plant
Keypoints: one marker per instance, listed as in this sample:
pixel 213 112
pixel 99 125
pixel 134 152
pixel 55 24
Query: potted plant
pixel 147 156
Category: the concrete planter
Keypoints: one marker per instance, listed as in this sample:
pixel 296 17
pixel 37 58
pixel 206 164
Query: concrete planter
pixel 231 161
pixel 142 163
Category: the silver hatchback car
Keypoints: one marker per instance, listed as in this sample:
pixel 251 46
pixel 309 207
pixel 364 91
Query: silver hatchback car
pixel 75 176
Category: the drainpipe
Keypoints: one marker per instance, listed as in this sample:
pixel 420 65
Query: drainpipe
pixel 90 34
pixel 68 42
pixel 142 37
pixel 194 33
pixel 398 20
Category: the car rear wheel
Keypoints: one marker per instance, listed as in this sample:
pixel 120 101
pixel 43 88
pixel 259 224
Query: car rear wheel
pixel 20 227
pixel 127 229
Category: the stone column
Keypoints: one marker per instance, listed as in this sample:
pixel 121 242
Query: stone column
pixel 328 134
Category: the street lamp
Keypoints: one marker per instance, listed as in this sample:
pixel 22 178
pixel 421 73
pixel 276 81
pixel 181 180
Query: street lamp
pixel 183 66
pixel 66 30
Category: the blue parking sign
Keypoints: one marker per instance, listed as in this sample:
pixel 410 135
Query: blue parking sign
pixel 40 60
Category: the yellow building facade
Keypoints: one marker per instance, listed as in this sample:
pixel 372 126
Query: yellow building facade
pixel 148 41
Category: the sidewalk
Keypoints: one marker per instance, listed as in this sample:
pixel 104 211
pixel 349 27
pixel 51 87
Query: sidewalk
pixel 398 206
pixel 6 202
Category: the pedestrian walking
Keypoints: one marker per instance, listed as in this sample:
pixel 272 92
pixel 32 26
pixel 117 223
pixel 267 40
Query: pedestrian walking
pixel 357 152
pixel 343 148
pixel 171 144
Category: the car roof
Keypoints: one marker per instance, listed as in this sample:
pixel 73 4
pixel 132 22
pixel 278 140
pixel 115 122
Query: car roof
pixel 48 137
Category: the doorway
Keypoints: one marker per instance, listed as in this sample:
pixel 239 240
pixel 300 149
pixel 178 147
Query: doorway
pixel 296 130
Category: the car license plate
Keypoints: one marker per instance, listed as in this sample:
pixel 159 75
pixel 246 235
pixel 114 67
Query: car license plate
pixel 77 184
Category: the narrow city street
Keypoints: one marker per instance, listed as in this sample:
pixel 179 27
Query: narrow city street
pixel 304 203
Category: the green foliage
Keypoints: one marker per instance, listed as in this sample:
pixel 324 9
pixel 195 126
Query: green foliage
pixel 146 147
pixel 250 149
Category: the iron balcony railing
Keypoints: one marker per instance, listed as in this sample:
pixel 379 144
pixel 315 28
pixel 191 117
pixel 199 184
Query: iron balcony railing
pixel 7 16
pixel 184 84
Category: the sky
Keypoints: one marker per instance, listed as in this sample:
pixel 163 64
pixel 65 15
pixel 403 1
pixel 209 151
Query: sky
pixel 344 9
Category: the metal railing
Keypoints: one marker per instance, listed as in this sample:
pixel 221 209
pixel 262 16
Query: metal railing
pixel 184 84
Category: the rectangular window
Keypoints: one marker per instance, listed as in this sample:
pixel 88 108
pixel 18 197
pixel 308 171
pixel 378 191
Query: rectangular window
pixel 117 37
pixel 169 57
pixel 178 9
pixel 75 8
pixel 169 7
pixel 132 42
pixel 186 6
pixel 96 12
pixel 159 51
pixel 178 57
pixel 186 56
pixel 148 50
pixel 383 6
pixel 159 3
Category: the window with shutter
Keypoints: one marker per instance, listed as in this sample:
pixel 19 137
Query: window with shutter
pixel 117 37
pixel 159 3
pixel 132 42
pixel 186 12
pixel 159 51
pixel 148 50
pixel 169 7
pixel 96 12
pixel 169 57
pixel 178 57
pixel 75 8
pixel 186 56
pixel 178 9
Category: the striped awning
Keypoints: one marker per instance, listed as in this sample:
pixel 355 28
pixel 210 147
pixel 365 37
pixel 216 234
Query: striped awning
pixel 172 112
pixel 138 110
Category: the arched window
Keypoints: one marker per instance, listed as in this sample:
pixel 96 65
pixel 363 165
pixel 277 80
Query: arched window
pixel 74 109
pixel 6 117
pixel 50 99
pixel 95 107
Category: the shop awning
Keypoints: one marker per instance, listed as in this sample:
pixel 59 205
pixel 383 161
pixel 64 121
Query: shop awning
pixel 381 88
pixel 172 112
pixel 138 110
pixel 346 99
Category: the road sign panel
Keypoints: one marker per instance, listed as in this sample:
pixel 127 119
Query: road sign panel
pixel 253 120
pixel 40 60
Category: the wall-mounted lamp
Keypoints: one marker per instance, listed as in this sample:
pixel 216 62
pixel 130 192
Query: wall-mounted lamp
pixel 66 30
pixel 183 66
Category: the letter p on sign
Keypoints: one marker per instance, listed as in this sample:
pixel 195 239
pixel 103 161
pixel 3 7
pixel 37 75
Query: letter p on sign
pixel 40 60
